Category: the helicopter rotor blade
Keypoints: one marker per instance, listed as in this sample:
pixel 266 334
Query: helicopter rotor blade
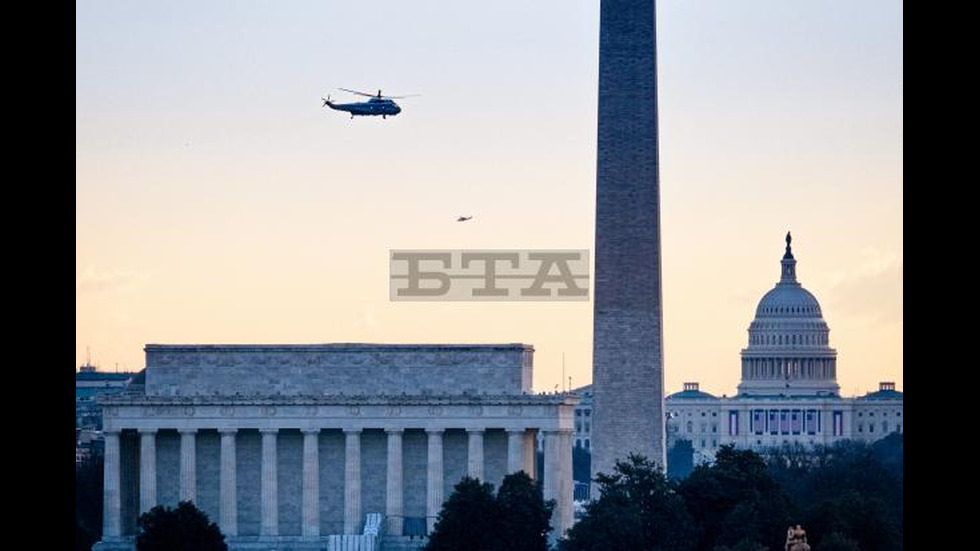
pixel 357 92
pixel 402 97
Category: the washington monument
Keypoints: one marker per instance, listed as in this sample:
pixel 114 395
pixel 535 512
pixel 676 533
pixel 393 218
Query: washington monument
pixel 627 368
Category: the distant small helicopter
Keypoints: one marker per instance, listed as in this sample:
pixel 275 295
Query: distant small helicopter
pixel 376 105
pixel 464 218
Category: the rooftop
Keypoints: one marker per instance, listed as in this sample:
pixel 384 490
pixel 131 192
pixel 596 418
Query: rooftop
pixel 102 376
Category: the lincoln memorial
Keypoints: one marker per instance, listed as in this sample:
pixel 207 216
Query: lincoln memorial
pixel 329 446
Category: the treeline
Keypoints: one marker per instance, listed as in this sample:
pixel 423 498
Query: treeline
pixel 848 497
pixel 88 502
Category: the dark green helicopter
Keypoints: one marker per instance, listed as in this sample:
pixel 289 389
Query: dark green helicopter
pixel 375 105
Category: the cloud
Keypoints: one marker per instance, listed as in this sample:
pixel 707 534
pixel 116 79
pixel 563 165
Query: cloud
pixel 873 290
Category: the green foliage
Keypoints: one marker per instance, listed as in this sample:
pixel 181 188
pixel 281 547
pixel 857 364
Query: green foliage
pixel 744 545
pixel 835 541
pixel 890 452
pixel 861 518
pixel 524 515
pixel 850 488
pixel 638 508
pixel 88 502
pixel 736 502
pixel 680 460
pixel 84 540
pixel 848 497
pixel 516 519
pixel 185 528
pixel 467 518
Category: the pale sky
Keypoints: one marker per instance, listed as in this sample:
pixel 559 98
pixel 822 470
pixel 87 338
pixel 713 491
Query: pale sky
pixel 217 202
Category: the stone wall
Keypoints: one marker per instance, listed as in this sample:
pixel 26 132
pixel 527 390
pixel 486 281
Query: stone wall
pixel 414 469
pixel 289 454
pixel 248 463
pixel 208 448
pixel 332 452
pixel 168 467
pixel 455 451
pixel 330 369
pixel 374 471
pixel 495 456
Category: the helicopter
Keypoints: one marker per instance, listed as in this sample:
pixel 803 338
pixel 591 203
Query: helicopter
pixel 375 105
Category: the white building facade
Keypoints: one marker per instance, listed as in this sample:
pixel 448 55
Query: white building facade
pixel 788 392
pixel 301 447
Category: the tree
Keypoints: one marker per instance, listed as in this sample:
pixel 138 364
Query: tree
pixel 736 502
pixel 889 451
pixel 88 502
pixel 467 519
pixel 835 541
pixel 524 515
pixel 516 519
pixel 186 528
pixel 638 508
pixel 84 540
pixel 864 519
pixel 850 488
pixel 744 545
pixel 680 460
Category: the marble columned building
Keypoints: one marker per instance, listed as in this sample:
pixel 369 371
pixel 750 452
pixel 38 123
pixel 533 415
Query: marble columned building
pixel 286 445
pixel 788 394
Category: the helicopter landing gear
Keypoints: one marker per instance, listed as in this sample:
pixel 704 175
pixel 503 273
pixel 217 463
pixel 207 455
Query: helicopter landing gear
pixel 384 116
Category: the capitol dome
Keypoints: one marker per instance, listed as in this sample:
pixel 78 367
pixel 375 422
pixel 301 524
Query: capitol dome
pixel 788 300
pixel 789 350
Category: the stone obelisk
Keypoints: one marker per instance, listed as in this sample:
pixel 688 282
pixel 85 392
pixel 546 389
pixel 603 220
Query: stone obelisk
pixel 627 368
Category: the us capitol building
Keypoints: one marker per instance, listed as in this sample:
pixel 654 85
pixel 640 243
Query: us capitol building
pixel 788 394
